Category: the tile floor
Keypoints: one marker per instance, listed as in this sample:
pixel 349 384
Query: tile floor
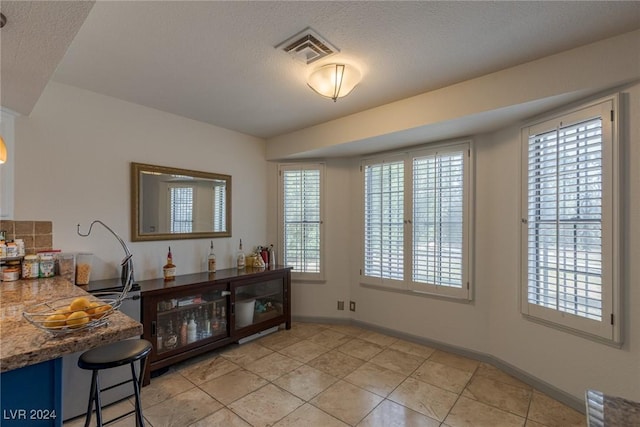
pixel 337 375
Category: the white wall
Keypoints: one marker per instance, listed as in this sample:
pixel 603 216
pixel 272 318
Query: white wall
pixel 73 155
pixel 319 299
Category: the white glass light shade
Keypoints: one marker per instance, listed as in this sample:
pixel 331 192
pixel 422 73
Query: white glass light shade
pixel 3 151
pixel 334 80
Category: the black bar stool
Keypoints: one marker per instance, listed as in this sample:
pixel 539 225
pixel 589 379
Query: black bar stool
pixel 111 356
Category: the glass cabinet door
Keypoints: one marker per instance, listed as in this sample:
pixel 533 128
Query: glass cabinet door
pixel 258 302
pixel 191 318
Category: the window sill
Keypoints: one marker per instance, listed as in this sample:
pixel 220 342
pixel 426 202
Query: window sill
pixel 410 292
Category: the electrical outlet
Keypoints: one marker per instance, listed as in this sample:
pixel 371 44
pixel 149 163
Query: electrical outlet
pixel 340 305
pixel 352 305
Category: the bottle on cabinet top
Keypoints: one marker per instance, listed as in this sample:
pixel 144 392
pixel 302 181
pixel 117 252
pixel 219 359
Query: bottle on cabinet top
pixel 272 256
pixel 211 260
pixel 241 257
pixel 169 269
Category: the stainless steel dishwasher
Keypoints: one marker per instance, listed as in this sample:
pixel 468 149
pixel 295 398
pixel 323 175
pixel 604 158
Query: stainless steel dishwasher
pixel 76 381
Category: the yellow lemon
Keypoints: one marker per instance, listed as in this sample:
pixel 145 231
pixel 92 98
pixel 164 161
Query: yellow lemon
pixel 63 311
pixel 55 321
pixel 92 308
pixel 98 312
pixel 77 319
pixel 80 303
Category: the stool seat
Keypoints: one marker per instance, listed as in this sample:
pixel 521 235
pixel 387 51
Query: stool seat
pixel 114 355
pixel 126 352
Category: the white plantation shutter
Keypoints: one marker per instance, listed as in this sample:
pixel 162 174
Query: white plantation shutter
pixel 301 219
pixel 181 209
pixel 219 212
pixel 384 220
pixel 568 221
pixel 416 221
pixel 438 219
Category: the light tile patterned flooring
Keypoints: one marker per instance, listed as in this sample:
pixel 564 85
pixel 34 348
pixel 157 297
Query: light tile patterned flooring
pixel 339 375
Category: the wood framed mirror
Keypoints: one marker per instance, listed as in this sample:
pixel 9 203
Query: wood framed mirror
pixel 170 203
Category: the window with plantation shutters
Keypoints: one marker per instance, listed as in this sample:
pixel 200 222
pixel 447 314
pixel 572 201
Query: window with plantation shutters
pixel 439 219
pixel 219 211
pixel 417 221
pixel 181 209
pixel 384 220
pixel 569 221
pixel 301 235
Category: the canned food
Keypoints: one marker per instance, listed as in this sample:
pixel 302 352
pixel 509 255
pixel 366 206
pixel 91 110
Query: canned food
pixel 47 266
pixel 30 267
pixel 12 249
pixel 10 274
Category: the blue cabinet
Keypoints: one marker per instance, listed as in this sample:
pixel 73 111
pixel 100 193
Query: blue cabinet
pixel 32 396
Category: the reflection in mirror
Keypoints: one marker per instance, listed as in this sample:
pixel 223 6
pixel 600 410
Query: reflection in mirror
pixel 170 203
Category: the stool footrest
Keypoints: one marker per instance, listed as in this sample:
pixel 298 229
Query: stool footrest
pixel 116 385
pixel 119 417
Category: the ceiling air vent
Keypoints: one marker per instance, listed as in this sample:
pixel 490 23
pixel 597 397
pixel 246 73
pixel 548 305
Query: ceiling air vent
pixel 307 46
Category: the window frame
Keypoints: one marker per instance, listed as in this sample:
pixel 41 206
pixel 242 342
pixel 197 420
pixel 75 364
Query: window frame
pixel 407 284
pixel 609 328
pixel 319 166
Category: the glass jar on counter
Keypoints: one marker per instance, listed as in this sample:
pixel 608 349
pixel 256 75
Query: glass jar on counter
pixel 30 267
pixel 47 265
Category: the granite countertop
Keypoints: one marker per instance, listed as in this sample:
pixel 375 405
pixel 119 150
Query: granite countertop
pixel 23 344
pixel 611 411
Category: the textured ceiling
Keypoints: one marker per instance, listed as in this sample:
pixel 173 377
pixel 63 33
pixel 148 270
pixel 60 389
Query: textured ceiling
pixel 215 61
pixel 33 42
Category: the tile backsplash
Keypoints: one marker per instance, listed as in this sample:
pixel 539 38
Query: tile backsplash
pixel 37 235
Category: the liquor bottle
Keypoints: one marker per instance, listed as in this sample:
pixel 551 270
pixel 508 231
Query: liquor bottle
pixel 192 335
pixel 159 339
pixel 183 331
pixel 207 324
pixel 241 258
pixel 171 338
pixel 216 319
pixel 169 269
pixel 212 260
pixel 223 320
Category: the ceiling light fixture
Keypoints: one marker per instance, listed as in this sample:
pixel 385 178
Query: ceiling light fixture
pixel 3 151
pixel 334 80
pixel 3 20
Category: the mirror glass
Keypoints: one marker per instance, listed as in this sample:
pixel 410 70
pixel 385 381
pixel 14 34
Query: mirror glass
pixel 171 203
